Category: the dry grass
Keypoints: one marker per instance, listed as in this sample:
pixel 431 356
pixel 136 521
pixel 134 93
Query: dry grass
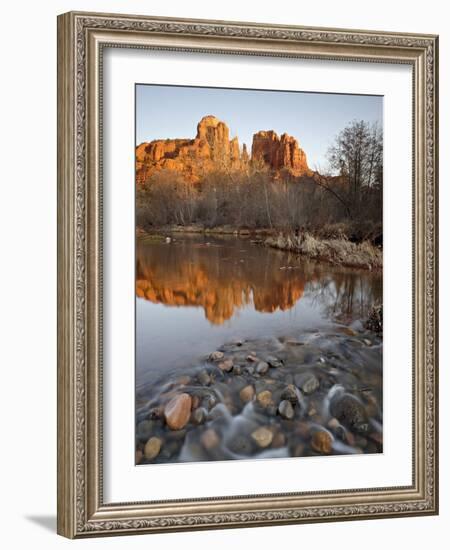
pixel 336 251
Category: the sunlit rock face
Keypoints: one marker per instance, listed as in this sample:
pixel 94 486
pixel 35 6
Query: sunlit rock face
pixel 213 150
pixel 210 150
pixel 279 153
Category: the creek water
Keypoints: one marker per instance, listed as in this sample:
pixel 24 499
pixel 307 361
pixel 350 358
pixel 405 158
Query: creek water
pixel 197 294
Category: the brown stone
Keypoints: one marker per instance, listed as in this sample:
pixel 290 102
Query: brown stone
pixel 247 393
pixel 152 448
pixel 226 365
pixel 177 411
pixel 209 439
pixel 322 442
pixel 264 398
pixel 263 437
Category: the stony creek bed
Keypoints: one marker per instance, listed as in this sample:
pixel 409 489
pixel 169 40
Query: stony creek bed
pixel 318 392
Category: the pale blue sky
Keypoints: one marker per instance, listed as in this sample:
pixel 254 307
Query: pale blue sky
pixel 313 118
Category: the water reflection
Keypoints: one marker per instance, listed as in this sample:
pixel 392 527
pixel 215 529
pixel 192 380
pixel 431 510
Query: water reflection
pixel 225 276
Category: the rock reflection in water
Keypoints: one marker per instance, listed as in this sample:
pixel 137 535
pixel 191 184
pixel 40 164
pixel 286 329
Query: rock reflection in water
pixel 224 276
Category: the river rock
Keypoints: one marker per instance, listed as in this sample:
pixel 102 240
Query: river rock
pixel 274 362
pixel 286 410
pixel 307 382
pixel 237 370
pixel 178 411
pixel 279 440
pixel 350 412
pixel 216 356
pixel 209 439
pixel 322 442
pixel 144 430
pixel 247 393
pixel 226 365
pixel 204 378
pixel 262 367
pixel 183 380
pixel 152 448
pixel 241 445
pixel 199 416
pixel 262 437
pixel 195 402
pixel 252 358
pixel 290 393
pixel 264 398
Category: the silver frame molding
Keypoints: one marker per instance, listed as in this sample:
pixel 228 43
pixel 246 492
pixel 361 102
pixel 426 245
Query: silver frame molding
pixel 81 39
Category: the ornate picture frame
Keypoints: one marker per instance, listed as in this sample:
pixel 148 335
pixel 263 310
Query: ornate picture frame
pixel 82 38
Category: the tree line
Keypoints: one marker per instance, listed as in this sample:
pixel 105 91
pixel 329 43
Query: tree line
pixel 348 192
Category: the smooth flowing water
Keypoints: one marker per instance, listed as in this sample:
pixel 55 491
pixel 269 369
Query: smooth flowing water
pixel 194 294
pixel 198 294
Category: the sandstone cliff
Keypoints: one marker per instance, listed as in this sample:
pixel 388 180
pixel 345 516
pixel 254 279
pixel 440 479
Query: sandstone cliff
pixel 279 153
pixel 212 149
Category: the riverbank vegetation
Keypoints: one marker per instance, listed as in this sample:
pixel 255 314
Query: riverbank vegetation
pixel 333 215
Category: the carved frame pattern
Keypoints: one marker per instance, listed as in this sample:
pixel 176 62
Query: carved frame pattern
pixel 81 511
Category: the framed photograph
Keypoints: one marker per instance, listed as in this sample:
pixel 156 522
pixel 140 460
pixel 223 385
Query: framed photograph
pixel 247 288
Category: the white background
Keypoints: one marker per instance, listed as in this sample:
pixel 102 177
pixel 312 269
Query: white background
pixel 123 482
pixel 28 297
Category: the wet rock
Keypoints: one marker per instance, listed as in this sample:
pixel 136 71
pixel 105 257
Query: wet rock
pixel 262 437
pixel 322 442
pixel 216 356
pixel 152 448
pixel 139 456
pixel 262 367
pixel 350 412
pixel 226 365
pixel 247 393
pixel 156 412
pixel 286 410
pixel 241 445
pixel 178 411
pixel 307 382
pixel 264 398
pixel 279 440
pixel 274 362
pixel 299 450
pixel 144 430
pixel 195 402
pixel 252 358
pixel 199 416
pixel 209 439
pixel 204 378
pixel 237 370
pixel 333 423
pixel 291 394
pixel 209 401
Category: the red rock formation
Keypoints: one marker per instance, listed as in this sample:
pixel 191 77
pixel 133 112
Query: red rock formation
pixel 279 153
pixel 211 149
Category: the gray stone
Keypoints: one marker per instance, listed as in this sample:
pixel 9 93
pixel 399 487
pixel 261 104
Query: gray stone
pixel 204 378
pixel 286 410
pixel 307 382
pixel 199 416
pixel 274 362
pixel 350 412
pixel 262 367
